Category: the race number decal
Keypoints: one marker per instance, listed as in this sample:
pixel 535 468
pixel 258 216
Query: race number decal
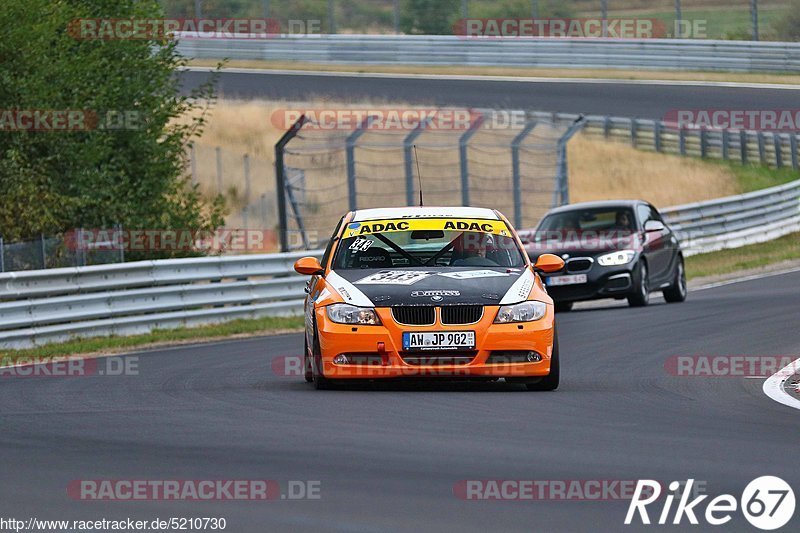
pixel 361 245
pixel 394 277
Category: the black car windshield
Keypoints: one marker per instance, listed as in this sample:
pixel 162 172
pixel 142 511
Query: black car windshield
pixel 614 219
pixel 428 242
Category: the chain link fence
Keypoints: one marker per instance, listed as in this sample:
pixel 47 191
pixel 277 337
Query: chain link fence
pixel 517 166
pixel 56 252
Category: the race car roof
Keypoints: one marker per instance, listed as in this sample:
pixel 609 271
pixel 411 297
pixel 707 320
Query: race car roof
pixel 424 212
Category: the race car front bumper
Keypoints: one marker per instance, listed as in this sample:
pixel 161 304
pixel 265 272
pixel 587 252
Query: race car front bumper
pixel 376 352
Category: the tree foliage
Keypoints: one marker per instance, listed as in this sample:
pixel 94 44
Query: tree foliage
pixel 54 181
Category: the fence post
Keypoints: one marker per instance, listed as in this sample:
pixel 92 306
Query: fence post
pixel 562 178
pixel 2 255
pixel 778 144
pixel 121 245
pixel 462 150
pixel 350 151
pixel 218 152
pixel 657 135
pixel 634 131
pixel 516 178
pixel 762 151
pixel 280 181
pixel 193 163
pixel 408 146
pixel 44 252
pixel 80 252
pixel 246 212
pixel 726 139
pixel 793 147
pixel 703 143
pixel 743 146
pixel 606 126
pixel 682 140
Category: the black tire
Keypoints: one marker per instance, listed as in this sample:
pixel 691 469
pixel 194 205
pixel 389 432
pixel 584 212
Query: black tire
pixel 319 380
pixel 678 291
pixel 551 381
pixel 308 365
pixel 563 307
pixel 641 296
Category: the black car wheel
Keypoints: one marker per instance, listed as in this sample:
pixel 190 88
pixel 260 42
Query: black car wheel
pixel 320 381
pixel 641 296
pixel 677 292
pixel 308 372
pixel 551 381
pixel 563 307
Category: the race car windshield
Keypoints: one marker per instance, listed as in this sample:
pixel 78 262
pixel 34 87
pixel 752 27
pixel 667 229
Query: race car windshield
pixel 588 220
pixel 428 243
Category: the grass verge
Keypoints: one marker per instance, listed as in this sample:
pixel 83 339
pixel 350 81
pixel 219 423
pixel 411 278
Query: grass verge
pixel 161 337
pixel 753 256
pixel 613 74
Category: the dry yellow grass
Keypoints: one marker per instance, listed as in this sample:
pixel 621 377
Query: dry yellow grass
pixel 598 169
pixel 603 170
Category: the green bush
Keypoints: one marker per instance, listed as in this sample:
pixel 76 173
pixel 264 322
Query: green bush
pixel 54 181
pixel 787 27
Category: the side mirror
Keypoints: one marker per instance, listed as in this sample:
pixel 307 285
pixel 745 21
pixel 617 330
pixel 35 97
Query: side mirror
pixel 549 263
pixel 654 226
pixel 308 266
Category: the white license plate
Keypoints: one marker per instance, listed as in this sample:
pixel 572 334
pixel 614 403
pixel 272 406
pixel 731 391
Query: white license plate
pixel 566 280
pixel 438 340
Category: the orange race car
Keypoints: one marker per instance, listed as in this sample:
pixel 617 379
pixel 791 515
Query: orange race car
pixel 429 292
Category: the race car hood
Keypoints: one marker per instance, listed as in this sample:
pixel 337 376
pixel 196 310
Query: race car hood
pixel 435 286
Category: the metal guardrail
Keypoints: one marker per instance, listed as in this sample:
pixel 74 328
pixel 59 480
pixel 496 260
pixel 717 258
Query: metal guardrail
pixel 42 306
pixel 777 149
pixel 662 54
pixel 736 221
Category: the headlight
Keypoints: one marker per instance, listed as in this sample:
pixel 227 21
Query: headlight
pixel 622 257
pixel 350 314
pixel 524 312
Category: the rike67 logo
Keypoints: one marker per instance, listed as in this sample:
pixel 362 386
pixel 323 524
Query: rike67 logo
pixel 767 503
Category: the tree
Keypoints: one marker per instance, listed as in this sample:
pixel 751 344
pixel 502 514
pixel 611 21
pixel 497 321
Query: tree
pixel 54 181
pixel 430 17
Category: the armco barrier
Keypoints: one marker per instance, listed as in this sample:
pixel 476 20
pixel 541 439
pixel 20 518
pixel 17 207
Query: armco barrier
pixel 42 306
pixel 37 307
pixel 661 54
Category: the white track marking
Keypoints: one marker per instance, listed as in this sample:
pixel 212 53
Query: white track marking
pixel 773 387
pixel 521 79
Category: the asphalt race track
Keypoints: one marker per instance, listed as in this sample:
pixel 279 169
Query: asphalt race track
pixel 618 99
pixel 388 456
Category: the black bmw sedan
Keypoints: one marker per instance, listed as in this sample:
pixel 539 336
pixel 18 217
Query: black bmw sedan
pixel 612 249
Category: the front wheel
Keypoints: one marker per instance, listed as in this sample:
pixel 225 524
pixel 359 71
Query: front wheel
pixel 677 292
pixel 641 297
pixel 550 381
pixel 320 381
